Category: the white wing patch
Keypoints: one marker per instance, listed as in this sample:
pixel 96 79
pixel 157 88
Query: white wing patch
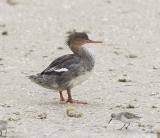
pixel 58 70
pixel 61 70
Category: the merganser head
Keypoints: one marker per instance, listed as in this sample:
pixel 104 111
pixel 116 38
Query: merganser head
pixel 77 39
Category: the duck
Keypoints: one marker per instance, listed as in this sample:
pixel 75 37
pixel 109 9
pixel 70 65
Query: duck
pixel 69 70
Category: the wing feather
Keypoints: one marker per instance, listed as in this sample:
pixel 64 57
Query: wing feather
pixel 61 64
pixel 131 115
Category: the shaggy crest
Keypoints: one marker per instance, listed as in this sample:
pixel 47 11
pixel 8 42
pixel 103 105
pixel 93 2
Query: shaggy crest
pixel 72 35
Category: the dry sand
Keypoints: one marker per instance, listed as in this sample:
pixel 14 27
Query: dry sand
pixel 36 28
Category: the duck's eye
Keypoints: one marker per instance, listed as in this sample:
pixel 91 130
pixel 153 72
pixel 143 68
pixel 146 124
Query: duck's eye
pixel 84 37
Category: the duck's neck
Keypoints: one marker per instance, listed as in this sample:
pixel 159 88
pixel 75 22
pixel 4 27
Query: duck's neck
pixel 86 53
pixel 87 56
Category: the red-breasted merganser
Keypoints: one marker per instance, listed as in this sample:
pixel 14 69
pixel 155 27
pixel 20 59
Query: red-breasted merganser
pixel 69 70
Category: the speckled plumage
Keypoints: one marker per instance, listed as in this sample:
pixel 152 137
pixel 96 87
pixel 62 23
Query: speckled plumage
pixel 125 117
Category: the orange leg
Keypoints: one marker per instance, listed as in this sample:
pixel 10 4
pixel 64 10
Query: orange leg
pixel 70 100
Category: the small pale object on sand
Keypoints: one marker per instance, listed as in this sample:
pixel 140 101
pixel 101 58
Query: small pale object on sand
pixel 3 126
pixel 71 112
pixel 124 117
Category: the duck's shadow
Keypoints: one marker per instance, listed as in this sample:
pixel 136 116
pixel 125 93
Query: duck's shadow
pixel 58 104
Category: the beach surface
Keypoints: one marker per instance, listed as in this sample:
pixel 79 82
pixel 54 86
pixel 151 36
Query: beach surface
pixel 126 76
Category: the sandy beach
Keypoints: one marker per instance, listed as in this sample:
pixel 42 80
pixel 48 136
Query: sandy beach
pixel 126 76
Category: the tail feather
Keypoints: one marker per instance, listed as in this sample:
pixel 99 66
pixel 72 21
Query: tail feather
pixel 32 77
pixel 36 78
